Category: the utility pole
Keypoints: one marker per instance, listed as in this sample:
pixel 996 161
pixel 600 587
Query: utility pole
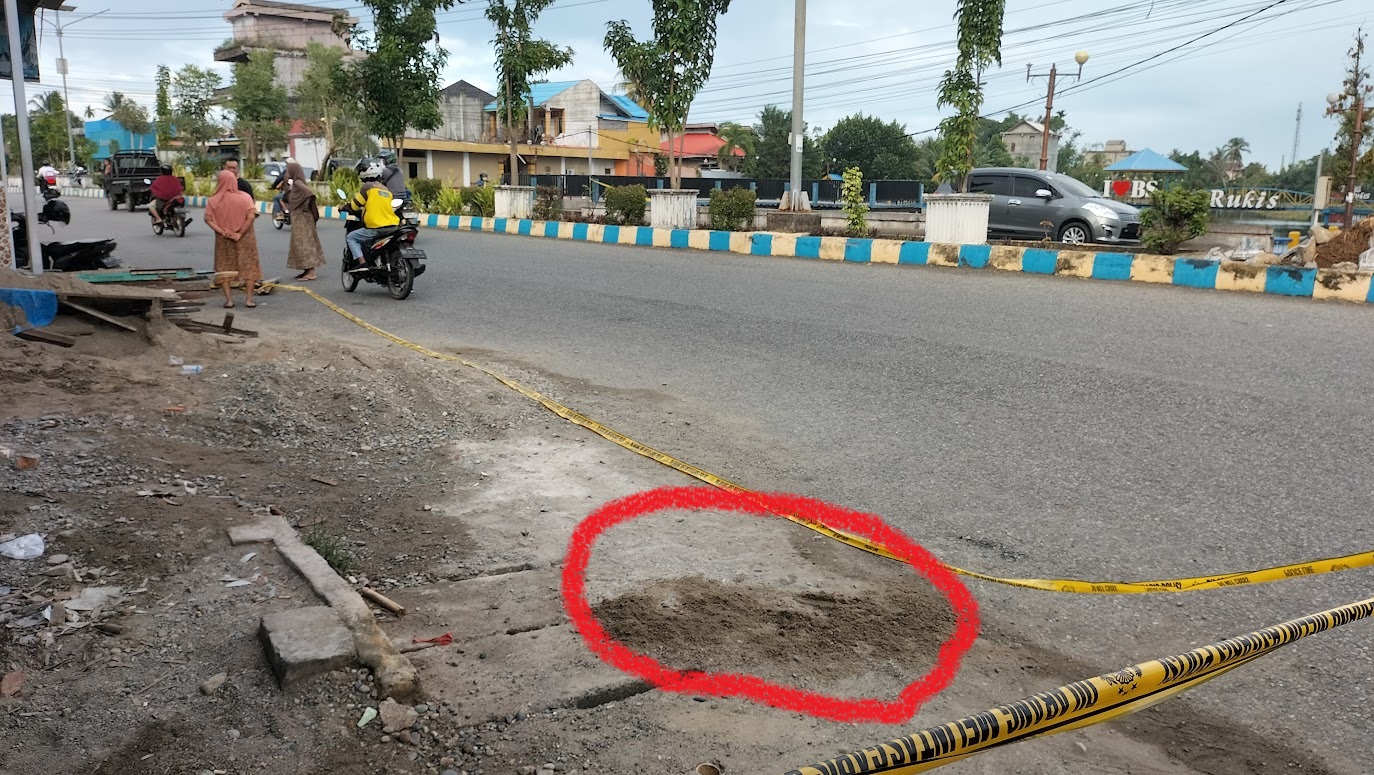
pixel 798 201
pixel 21 115
pixel 1297 136
pixel 1082 59
pixel 62 68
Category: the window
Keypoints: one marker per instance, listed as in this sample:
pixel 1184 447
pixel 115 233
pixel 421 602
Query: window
pixel 990 184
pixel 1024 186
pixel 608 171
pixel 1012 148
pixel 414 170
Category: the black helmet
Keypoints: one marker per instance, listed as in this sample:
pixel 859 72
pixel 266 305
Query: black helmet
pixel 166 169
pixel 387 157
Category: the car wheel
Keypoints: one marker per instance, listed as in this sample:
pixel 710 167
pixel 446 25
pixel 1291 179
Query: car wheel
pixel 1075 233
pixel 129 202
pixel 113 200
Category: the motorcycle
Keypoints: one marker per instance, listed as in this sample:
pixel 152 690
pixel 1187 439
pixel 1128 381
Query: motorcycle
pixel 173 216
pixel 74 256
pixel 280 216
pixel 390 259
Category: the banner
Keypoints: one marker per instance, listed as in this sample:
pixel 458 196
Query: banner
pixel 28 34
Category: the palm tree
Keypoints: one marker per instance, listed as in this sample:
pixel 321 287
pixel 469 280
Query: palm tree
pixel 631 89
pixel 48 103
pixel 90 113
pixel 1235 149
pixel 736 137
pixel 114 102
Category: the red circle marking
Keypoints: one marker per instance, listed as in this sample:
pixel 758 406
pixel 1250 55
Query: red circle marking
pixel 614 653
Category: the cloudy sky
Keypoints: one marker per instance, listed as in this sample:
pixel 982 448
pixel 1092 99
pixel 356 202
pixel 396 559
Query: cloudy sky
pixel 1145 83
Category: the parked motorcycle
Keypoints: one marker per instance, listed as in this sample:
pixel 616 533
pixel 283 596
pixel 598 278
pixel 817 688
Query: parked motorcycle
pixel 391 259
pixel 173 216
pixel 74 256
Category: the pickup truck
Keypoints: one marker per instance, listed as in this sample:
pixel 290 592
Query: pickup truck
pixel 125 186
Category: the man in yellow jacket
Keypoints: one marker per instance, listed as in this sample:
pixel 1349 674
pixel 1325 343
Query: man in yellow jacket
pixel 373 203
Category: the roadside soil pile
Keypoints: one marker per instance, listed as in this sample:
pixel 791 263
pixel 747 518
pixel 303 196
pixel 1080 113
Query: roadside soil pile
pixel 1347 246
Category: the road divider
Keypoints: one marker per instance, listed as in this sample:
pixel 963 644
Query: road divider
pixel 1296 281
pixel 1080 704
pixel 1072 586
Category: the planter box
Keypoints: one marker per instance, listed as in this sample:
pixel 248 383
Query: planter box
pixel 957 219
pixel 514 201
pixel 672 208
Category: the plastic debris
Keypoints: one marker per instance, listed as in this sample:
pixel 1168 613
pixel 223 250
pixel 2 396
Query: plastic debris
pixel 24 547
pixel 369 715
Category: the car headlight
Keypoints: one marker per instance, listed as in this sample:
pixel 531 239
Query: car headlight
pixel 1102 211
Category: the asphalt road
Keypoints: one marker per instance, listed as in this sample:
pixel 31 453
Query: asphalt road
pixel 1018 425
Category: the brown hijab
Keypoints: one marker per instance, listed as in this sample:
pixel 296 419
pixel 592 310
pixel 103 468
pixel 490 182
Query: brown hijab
pixel 300 197
pixel 229 209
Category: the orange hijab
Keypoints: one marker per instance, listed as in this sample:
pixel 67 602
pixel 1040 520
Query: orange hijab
pixel 229 209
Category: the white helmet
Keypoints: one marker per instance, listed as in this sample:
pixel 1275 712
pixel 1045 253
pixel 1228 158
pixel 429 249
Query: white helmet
pixel 373 172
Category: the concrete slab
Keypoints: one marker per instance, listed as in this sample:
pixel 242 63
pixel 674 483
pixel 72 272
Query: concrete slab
pixel 305 642
pixel 487 605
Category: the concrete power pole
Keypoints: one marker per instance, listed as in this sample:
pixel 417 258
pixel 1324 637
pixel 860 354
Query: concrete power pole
pixel 1297 136
pixel 62 69
pixel 797 202
pixel 21 115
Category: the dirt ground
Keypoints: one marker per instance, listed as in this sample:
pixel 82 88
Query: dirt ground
pixel 1347 246
pixel 456 498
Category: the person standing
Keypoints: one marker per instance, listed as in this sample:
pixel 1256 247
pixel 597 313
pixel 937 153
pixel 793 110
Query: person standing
pixel 233 166
pixel 231 214
pixel 305 252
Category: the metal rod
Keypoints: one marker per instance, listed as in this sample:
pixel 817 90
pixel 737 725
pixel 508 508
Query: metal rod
pixel 798 201
pixel 21 115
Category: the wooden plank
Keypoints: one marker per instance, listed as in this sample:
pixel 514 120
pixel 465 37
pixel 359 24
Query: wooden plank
pixel 46 337
pixel 98 315
pixel 212 328
pixel 228 322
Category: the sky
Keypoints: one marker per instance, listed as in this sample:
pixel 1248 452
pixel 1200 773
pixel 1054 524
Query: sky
pixel 1144 82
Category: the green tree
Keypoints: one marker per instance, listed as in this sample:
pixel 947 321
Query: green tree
pixel 113 101
pixel 1201 173
pixel 259 104
pixel 881 150
pixel 162 113
pixel 1357 87
pixel 672 65
pixel 134 118
pixel 193 99
pixel 47 128
pixel 398 80
pixel 1234 150
pixel 773 155
pixel 855 202
pixel 979 38
pixel 328 104
pixel 520 57
pixel 1175 215
pixel 737 137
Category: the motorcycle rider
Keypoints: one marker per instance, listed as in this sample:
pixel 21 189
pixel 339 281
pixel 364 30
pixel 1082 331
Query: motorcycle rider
pixel 373 206
pixel 166 189
pixel 280 185
pixel 47 176
pixel 392 177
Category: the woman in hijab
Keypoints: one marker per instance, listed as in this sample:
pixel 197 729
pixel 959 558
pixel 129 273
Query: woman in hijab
pixel 305 252
pixel 231 213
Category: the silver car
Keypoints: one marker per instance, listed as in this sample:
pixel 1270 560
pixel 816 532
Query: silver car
pixel 1031 204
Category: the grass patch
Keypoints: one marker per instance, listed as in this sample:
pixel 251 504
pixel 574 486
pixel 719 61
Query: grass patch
pixel 332 548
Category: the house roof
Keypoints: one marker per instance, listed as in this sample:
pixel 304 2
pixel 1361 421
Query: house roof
pixel 1146 160
pixel 631 108
pixel 1027 127
pixel 699 145
pixel 541 93
pixel 292 10
pixel 465 89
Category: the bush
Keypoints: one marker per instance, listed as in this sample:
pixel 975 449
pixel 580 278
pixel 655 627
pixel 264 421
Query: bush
pixel 480 201
pixel 1175 215
pixel 625 205
pixel 348 180
pixel 732 209
pixel 855 203
pixel 425 191
pixel 449 201
pixel 254 172
pixel 548 203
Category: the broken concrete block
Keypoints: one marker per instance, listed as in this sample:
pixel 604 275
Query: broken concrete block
pixel 397 716
pixel 305 642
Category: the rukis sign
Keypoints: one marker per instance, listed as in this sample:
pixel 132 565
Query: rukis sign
pixel 1219 199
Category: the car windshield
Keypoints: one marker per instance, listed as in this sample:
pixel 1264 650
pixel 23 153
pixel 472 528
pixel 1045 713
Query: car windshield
pixel 1070 186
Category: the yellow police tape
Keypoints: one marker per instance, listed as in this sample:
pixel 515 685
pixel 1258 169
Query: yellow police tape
pixel 1080 704
pixel 1313 568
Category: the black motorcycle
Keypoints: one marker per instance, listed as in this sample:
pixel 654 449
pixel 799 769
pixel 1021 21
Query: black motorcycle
pixel 174 217
pixel 74 256
pixel 390 259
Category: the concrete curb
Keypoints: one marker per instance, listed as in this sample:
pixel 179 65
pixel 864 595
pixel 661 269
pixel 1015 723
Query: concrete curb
pixel 1322 284
pixel 396 676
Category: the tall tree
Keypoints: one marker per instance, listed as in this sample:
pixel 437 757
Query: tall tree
pixel 672 65
pixel 773 157
pixel 881 150
pixel 980 46
pixel 1357 88
pixel 259 104
pixel 1235 149
pixel 398 80
pixel 162 112
pixel 737 137
pixel 193 99
pixel 133 117
pixel 47 127
pixel 520 58
pixel 328 104
pixel 112 102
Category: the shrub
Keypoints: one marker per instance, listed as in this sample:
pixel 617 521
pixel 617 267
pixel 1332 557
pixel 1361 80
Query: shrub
pixel 625 205
pixel 205 168
pixel 548 203
pixel 449 201
pixel 660 165
pixel 480 201
pixel 425 191
pixel 347 179
pixel 855 204
pixel 254 171
pixel 1175 215
pixel 732 209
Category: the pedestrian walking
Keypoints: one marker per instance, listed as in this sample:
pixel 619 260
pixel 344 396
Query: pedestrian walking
pixel 305 252
pixel 232 214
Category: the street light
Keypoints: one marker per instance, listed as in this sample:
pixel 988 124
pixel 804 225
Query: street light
pixel 1082 59
pixel 62 69
pixel 1334 103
